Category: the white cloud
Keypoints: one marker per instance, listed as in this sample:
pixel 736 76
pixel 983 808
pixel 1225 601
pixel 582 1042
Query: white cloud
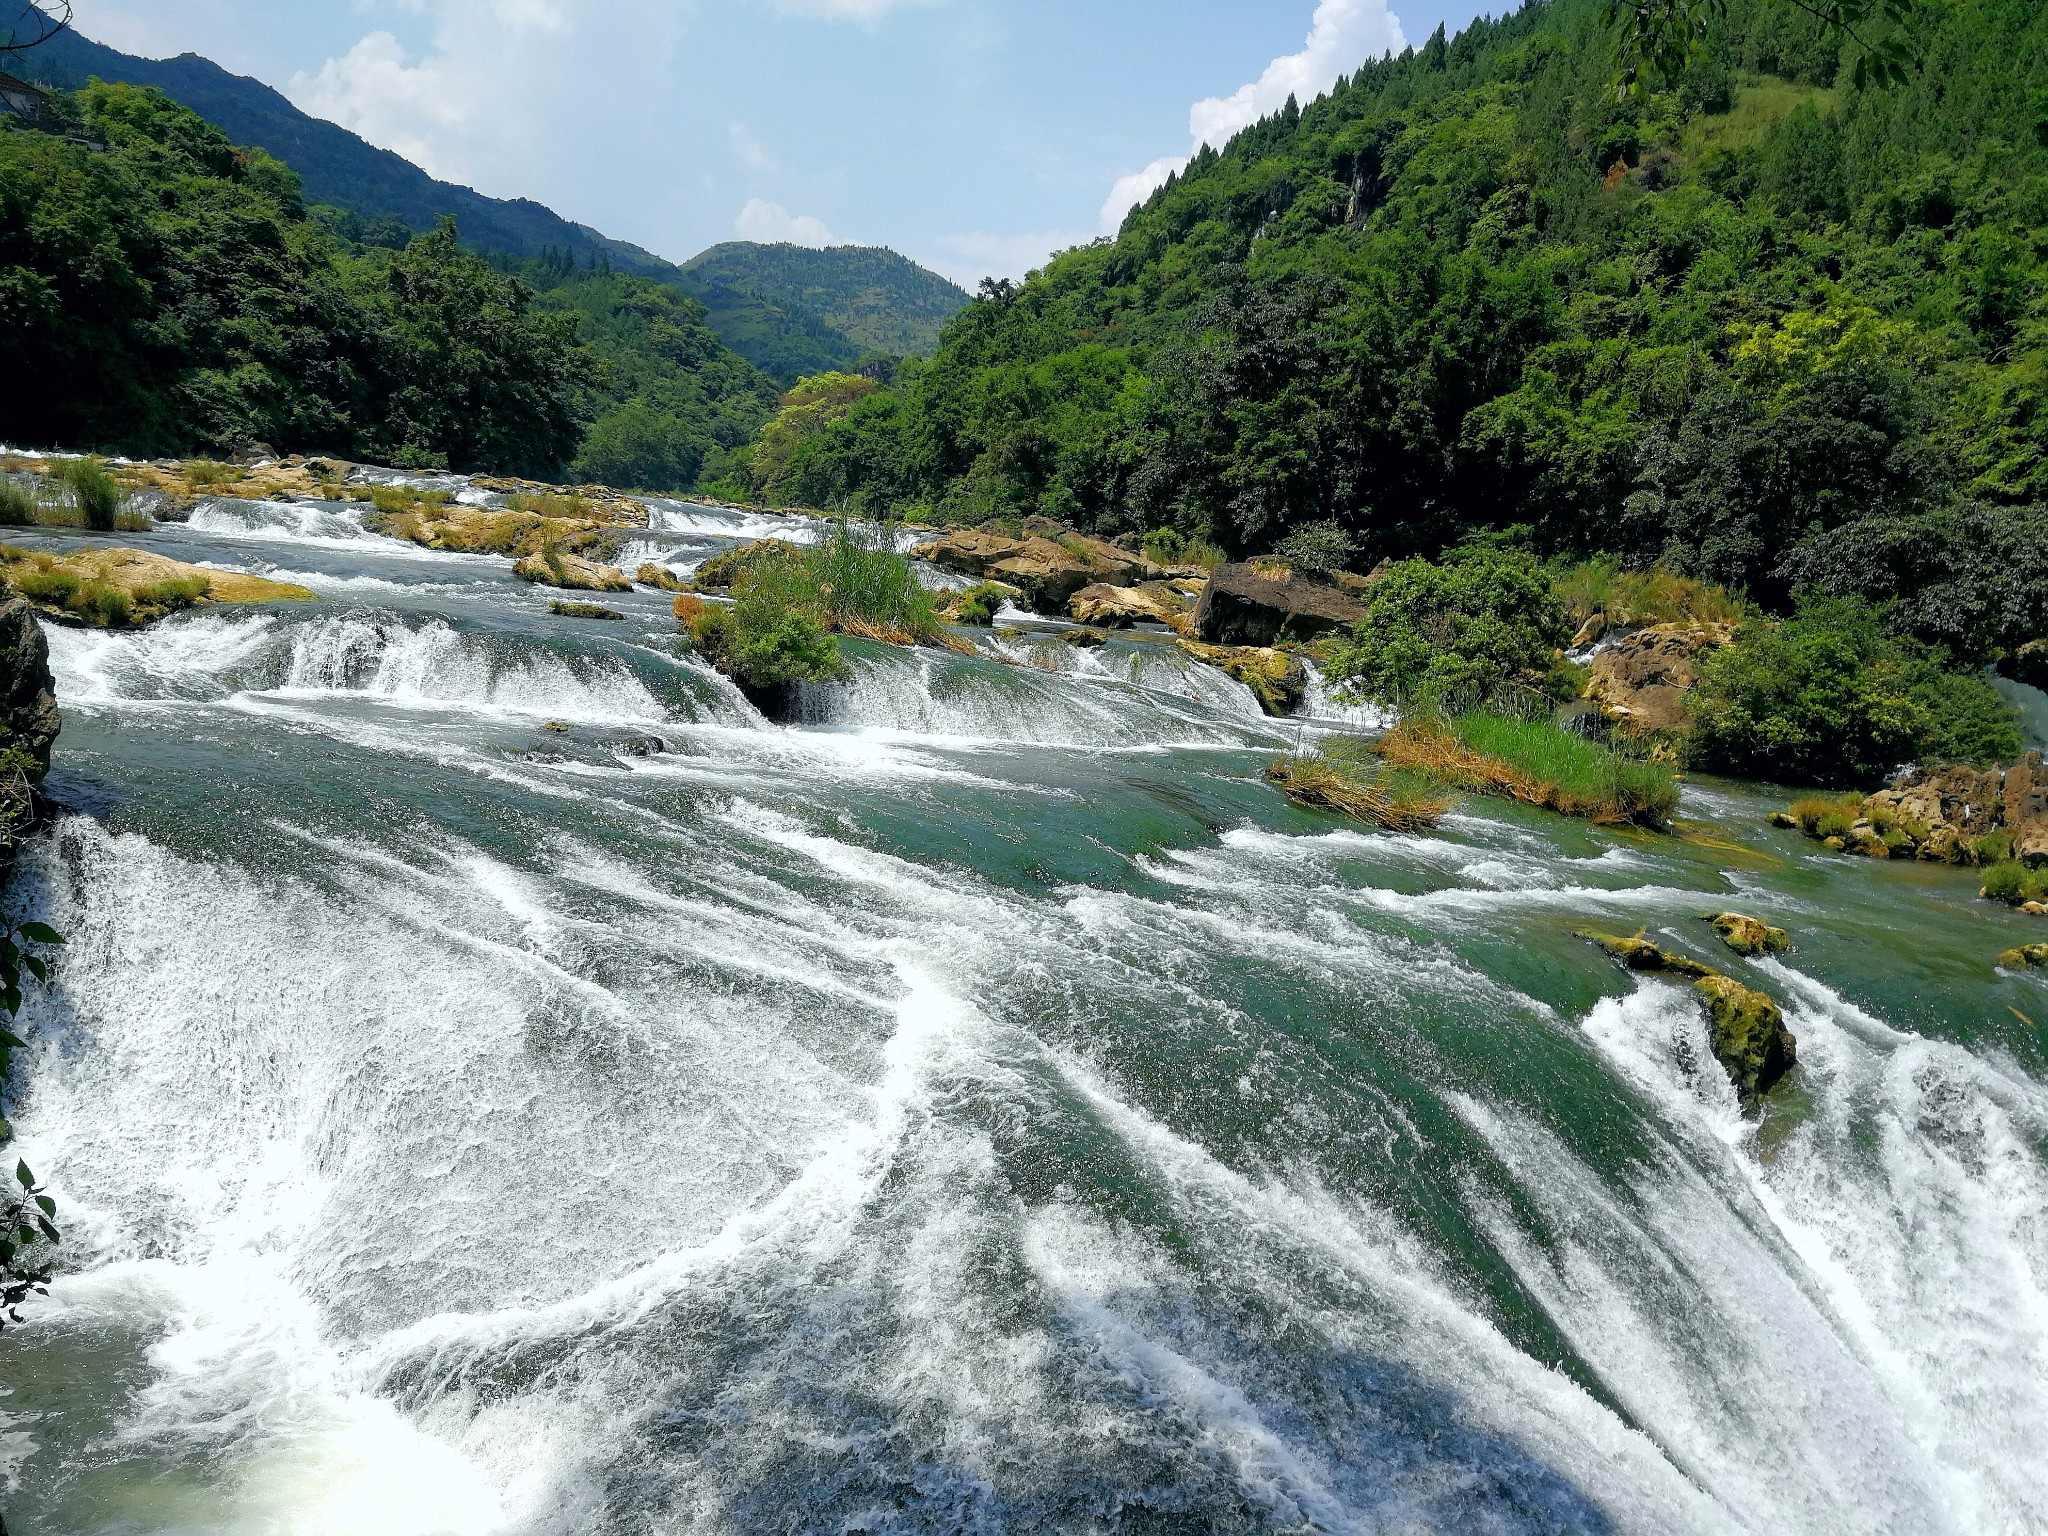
pixel 971 257
pixel 1342 36
pixel 473 107
pixel 772 224
pixel 846 10
pixel 750 151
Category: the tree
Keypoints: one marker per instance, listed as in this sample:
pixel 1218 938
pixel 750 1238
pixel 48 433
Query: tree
pixel 34 25
pixel 1659 39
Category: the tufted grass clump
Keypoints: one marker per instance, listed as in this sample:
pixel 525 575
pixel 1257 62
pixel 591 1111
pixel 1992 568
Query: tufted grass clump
pixel 18 504
pixel 1536 761
pixel 1341 776
pixel 1824 816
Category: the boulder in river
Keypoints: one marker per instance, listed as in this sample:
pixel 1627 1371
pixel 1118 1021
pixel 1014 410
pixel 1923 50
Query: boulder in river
pixel 571 573
pixel 1277 680
pixel 2028 957
pixel 1948 814
pixel 1120 607
pixel 1047 562
pixel 29 721
pixel 1260 603
pixel 1750 936
pixel 1641 679
pixel 1748 1030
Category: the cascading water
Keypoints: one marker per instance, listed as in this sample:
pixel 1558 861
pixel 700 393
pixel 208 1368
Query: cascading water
pixel 498 1083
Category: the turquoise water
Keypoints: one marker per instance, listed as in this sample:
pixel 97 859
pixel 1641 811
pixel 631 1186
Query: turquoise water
pixel 983 1107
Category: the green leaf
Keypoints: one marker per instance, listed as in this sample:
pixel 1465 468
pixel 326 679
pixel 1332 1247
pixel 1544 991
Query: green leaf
pixel 49 1231
pixel 42 933
pixel 37 968
pixel 26 1179
pixel 49 1206
pixel 12 1041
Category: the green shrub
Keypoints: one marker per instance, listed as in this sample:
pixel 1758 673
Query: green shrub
pixel 94 492
pixel 1456 634
pixel 1829 696
pixel 1993 847
pixel 2015 884
pixel 980 604
pixel 17 504
pixel 761 644
pixel 1318 548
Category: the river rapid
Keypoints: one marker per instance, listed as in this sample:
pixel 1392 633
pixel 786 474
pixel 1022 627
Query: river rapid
pixel 499 1083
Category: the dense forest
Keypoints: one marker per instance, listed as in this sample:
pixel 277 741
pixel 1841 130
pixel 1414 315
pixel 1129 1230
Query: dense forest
pixel 163 291
pixel 1757 323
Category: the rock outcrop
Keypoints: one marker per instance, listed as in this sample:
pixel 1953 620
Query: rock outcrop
pixel 1261 603
pixel 1277 680
pixel 2028 957
pixel 1048 563
pixel 1747 1029
pixel 29 721
pixel 1948 815
pixel 1121 607
pixel 552 568
pixel 114 588
pixel 1749 936
pixel 1641 679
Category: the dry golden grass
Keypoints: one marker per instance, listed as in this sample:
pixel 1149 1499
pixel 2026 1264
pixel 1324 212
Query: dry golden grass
pixel 1382 801
pixel 1561 773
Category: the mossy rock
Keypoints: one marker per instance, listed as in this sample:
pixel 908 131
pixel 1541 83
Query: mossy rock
pixel 1748 1031
pixel 719 572
pixel 1749 1034
pixel 1085 639
pixel 1749 936
pixel 1639 954
pixel 2028 957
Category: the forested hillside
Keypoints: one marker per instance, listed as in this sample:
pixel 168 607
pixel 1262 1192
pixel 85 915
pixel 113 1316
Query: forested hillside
pixel 878 303
pixel 170 293
pixel 1757 323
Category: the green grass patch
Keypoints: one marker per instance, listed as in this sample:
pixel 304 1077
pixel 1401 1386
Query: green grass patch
pixel 1655 596
pixel 1536 761
pixel 18 504
pixel 1342 776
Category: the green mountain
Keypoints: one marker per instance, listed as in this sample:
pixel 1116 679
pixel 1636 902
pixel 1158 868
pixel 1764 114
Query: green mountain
pixel 818 311
pixel 880 303
pixel 1767 327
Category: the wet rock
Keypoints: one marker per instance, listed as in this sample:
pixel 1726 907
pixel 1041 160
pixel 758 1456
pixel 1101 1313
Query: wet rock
pixel 1589 632
pixel 562 610
pixel 661 578
pixel 1277 680
pixel 1750 936
pixel 1641 680
pixel 1261 603
pixel 2028 957
pixel 1786 820
pixel 1085 639
pixel 1749 1035
pixel 2033 908
pixel 1120 607
pixel 29 721
pixel 1747 1029
pixel 571 573
pixel 1637 953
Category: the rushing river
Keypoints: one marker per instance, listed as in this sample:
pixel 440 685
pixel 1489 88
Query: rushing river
pixel 498 1083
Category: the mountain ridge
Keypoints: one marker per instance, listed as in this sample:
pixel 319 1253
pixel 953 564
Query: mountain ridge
pixel 340 169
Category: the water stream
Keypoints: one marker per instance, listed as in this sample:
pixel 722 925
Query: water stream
pixel 499 1083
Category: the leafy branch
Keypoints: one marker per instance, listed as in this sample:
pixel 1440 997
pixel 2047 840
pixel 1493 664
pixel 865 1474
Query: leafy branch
pixel 50 18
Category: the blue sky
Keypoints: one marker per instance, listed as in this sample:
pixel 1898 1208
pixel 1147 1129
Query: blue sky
pixel 973 135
